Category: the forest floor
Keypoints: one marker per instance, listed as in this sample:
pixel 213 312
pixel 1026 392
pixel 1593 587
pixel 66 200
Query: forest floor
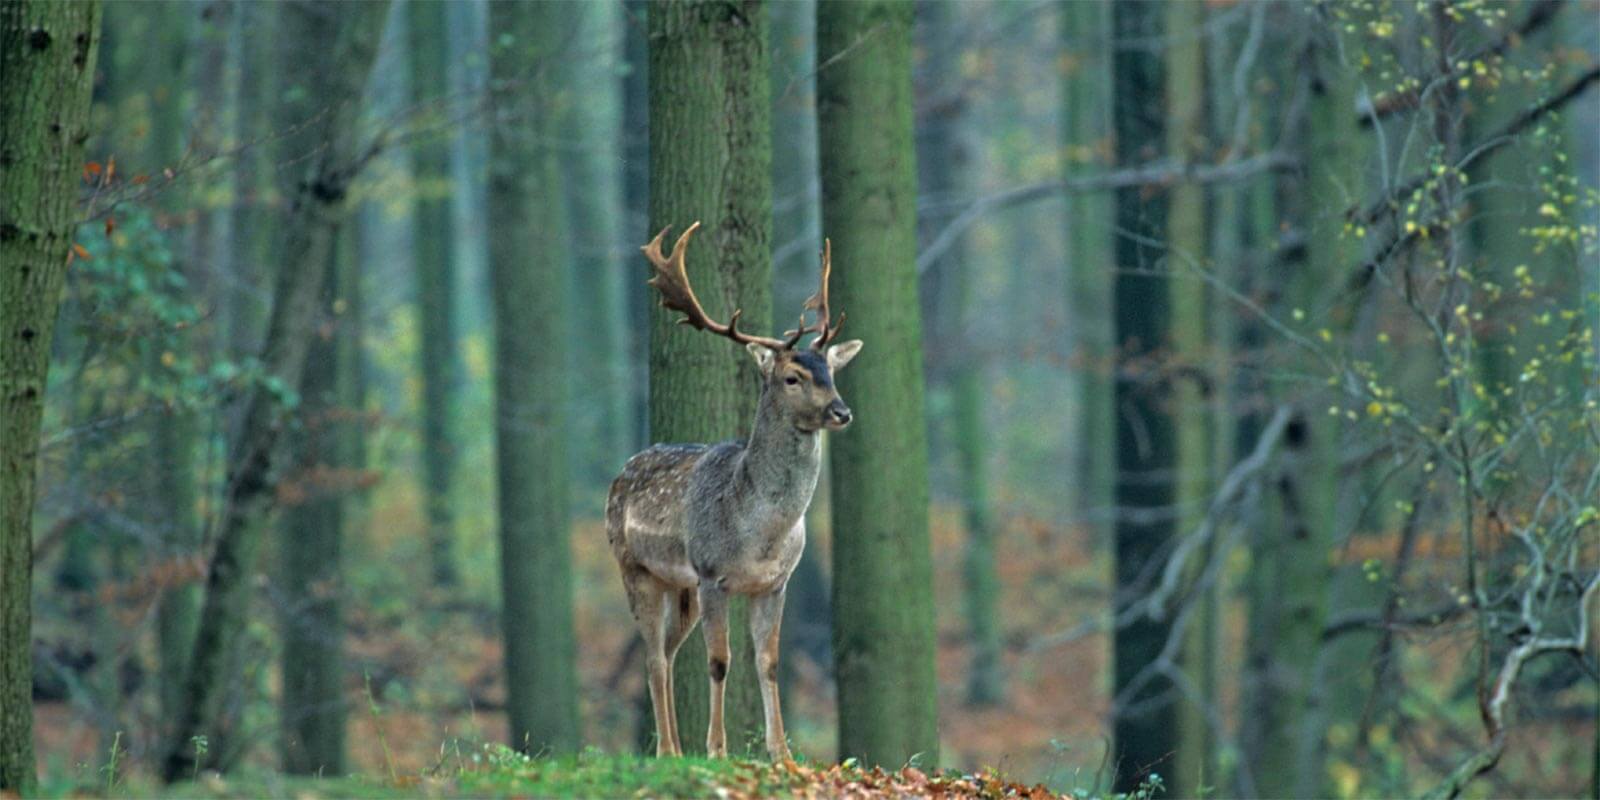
pixel 425 688
pixel 500 772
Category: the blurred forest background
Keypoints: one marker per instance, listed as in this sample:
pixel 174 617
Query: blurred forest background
pixel 1229 405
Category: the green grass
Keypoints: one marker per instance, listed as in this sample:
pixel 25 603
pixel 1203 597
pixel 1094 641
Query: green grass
pixel 492 771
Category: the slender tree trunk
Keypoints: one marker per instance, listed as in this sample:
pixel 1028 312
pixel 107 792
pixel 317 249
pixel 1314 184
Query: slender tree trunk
pixel 334 57
pixel 710 160
pixel 1087 141
pixel 636 211
pixel 1192 345
pixel 945 154
pixel 312 706
pixel 796 239
pixel 884 646
pixel 593 181
pixel 47 56
pixel 1145 719
pixel 175 428
pixel 1291 761
pixel 243 317
pixel 529 263
pixel 435 257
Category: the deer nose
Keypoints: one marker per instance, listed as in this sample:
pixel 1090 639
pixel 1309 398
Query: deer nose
pixel 839 413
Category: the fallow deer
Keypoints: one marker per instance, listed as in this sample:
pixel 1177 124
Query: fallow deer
pixel 692 524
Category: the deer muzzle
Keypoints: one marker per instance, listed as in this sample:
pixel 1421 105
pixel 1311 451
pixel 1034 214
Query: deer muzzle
pixel 836 415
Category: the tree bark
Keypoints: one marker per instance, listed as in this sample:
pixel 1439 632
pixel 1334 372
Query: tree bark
pixel 1303 516
pixel 47 57
pixel 328 46
pixel 945 154
pixel 174 428
pixel 710 160
pixel 529 264
pixel 593 180
pixel 1086 138
pixel 436 312
pixel 312 705
pixel 1192 345
pixel 1144 719
pixel 884 647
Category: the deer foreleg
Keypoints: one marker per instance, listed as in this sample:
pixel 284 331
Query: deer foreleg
pixel 766 615
pixel 714 613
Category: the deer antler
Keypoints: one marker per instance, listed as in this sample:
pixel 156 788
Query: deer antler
pixel 819 302
pixel 671 279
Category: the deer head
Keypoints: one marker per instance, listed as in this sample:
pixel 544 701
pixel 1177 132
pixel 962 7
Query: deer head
pixel 798 380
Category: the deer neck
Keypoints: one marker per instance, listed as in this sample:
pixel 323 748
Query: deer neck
pixel 780 462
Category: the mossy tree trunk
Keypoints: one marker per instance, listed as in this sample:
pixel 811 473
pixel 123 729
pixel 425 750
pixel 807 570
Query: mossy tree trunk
pixel 1086 87
pixel 1304 507
pixel 529 260
pixel 1192 345
pixel 47 58
pixel 796 239
pixel 884 646
pixel 328 63
pixel 175 429
pixel 313 702
pixel 945 155
pixel 1144 719
pixel 710 160
pixel 439 361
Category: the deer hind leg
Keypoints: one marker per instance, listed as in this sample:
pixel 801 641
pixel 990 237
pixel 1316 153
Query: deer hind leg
pixel 714 612
pixel 645 600
pixel 766 614
pixel 682 616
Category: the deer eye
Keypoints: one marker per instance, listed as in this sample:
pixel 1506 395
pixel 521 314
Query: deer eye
pixel 792 380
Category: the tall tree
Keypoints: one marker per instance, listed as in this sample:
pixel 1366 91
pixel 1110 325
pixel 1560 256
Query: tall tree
pixel 1303 514
pixel 47 57
pixel 884 646
pixel 593 180
pixel 710 160
pixel 436 305
pixel 1144 719
pixel 1192 345
pixel 174 428
pixel 1086 93
pixel 330 47
pixel 312 705
pixel 528 263
pixel 796 238
pixel 945 155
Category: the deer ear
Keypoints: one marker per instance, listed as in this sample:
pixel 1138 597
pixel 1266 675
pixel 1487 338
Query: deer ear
pixel 765 357
pixel 841 353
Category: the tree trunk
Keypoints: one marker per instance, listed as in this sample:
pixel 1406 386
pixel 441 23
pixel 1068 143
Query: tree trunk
pixel 529 264
pixel 174 428
pixel 436 313
pixel 1144 718
pixel 47 56
pixel 593 179
pixel 1192 345
pixel 884 647
pixel 312 706
pixel 710 160
pixel 1085 128
pixel 1292 761
pixel 945 155
pixel 333 57
pixel 635 150
pixel 796 240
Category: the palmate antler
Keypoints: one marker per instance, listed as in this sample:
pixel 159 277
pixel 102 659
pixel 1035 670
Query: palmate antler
pixel 671 279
